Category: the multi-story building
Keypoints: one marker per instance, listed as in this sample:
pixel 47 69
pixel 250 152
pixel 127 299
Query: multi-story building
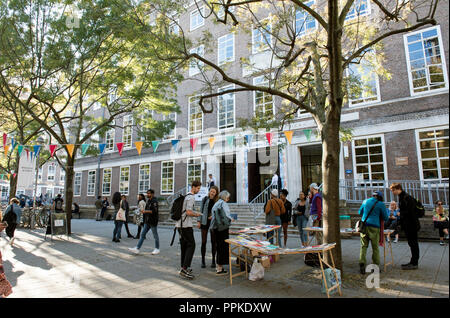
pixel 399 126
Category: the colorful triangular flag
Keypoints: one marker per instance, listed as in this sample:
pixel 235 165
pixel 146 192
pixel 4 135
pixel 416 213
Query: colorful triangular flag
pixel 155 144
pixel 193 142
pixel 307 133
pixel 19 150
pixel 13 144
pixel 289 135
pixel 249 138
pixel 14 175
pixel 36 149
pixel 5 149
pixel 120 147
pixel 28 152
pixel 52 149
pixel 139 145
pixel 101 147
pixel 84 148
pixel 175 144
pixel 269 137
pixel 230 140
pixel 211 141
pixel 8 175
pixel 4 138
pixel 70 149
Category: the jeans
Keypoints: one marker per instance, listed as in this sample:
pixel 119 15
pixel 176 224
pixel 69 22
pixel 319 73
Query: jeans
pixel 117 229
pixel 144 233
pixel 187 243
pixel 277 222
pixel 302 222
pixel 372 236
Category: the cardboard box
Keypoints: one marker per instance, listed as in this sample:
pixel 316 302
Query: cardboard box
pixel 265 262
pixel 255 253
pixel 276 258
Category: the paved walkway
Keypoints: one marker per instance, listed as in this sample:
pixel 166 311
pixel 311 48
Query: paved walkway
pixel 90 265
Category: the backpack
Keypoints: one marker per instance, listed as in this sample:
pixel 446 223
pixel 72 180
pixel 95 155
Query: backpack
pixel 312 259
pixel 58 204
pixel 177 208
pixel 419 208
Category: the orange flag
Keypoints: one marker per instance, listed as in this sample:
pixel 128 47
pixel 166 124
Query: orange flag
pixel 70 149
pixel 6 148
pixel 138 145
pixel 211 140
pixel 289 135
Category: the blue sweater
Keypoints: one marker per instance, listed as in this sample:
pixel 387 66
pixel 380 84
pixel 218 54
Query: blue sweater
pixel 374 218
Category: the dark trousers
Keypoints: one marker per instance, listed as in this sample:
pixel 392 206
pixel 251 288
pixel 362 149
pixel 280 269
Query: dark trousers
pixel 10 229
pixel 222 247
pixel 413 243
pixel 187 243
pixel 205 232
pixel 126 225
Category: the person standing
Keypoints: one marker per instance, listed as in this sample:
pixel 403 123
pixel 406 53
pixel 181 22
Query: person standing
pixel 220 224
pixel 117 203
pixel 22 203
pixel 315 214
pixel 393 222
pixel 274 182
pixel 98 208
pixel 58 204
pixel 211 181
pixel 12 216
pixel 409 223
pixel 204 223
pixel 150 223
pixel 186 231
pixel 286 217
pixel 141 208
pixel 105 205
pixel 274 209
pixel 372 211
pixel 440 220
pixel 5 286
pixel 127 212
pixel 300 216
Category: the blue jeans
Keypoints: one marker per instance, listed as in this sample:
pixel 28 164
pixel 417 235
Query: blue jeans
pixel 117 229
pixel 277 222
pixel 302 221
pixel 144 233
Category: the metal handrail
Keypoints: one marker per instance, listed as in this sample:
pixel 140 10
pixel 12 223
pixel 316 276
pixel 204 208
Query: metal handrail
pixel 172 197
pixel 260 199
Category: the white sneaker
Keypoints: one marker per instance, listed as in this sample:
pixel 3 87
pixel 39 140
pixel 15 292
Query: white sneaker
pixel 135 250
pixel 396 240
pixel 155 251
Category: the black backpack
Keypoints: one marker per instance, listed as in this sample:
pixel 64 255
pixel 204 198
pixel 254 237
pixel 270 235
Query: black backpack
pixel 419 208
pixel 177 208
pixel 312 259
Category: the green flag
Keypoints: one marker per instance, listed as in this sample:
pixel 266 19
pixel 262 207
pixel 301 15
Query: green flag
pixel 19 149
pixel 230 140
pixel 307 133
pixel 155 144
pixel 84 148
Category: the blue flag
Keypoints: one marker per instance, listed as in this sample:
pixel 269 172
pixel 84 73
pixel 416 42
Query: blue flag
pixel 101 147
pixel 175 144
pixel 249 138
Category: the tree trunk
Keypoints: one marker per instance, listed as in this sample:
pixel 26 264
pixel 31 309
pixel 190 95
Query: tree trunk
pixel 13 181
pixel 68 193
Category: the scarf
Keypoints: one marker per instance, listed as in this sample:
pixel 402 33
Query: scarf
pixel 381 242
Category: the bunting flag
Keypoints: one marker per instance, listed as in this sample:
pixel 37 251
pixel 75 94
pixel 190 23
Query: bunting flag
pixel 6 148
pixel 307 133
pixel 249 138
pixel 139 145
pixel 52 149
pixel 36 149
pixel 175 144
pixel 120 147
pixel 84 148
pixel 14 175
pixel 27 151
pixel 4 139
pixel 211 141
pixel 13 144
pixel 269 137
pixel 8 175
pixel 19 149
pixel 101 148
pixel 70 149
pixel 193 142
pixel 289 135
pixel 155 144
pixel 31 154
pixel 230 140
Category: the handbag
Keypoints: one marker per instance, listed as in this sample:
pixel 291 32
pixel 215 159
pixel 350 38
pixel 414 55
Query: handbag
pixel 361 226
pixel 120 216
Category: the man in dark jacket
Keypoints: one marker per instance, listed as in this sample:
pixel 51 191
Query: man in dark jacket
pixel 409 223
pixel 150 223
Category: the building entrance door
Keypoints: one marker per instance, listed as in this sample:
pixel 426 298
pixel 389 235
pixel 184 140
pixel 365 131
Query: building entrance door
pixel 311 159
pixel 259 174
pixel 228 178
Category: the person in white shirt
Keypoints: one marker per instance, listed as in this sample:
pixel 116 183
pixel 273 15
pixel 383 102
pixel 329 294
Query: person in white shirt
pixel 275 180
pixel 211 181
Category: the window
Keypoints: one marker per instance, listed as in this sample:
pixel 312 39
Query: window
pixel 174 28
pixel 426 66
pixel 195 117
pixel 221 12
pixel 369 158
pixel 197 18
pixel 110 139
pixel 144 178
pixel 195 65
pixel 40 173
pixel 358 9
pixel 173 117
pixel 62 175
pixel 124 183
pixel 194 171
pixel 261 38
pixel 106 184
pixel 112 94
pixel 91 183
pixel 51 172
pixel 263 102
pixel 127 131
pixel 304 22
pixel 363 84
pixel 225 49
pixel 77 184
pixel 433 151
pixel 225 113
pixel 167 177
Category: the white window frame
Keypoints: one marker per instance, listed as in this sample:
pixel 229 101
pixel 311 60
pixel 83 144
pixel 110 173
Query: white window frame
pixel 130 126
pixel 62 175
pixel 91 194
pixel 256 50
pixel 369 11
pixel 255 80
pixel 149 177
pixel 189 117
pixel 188 183
pixel 80 174
pixel 202 23
pixel 128 181
pixel 306 31
pixel 112 133
pixel 174 27
pixel 383 148
pixel 173 177
pixel 225 59
pixel 103 181
pixel 53 174
pixel 234 109
pixel 419 155
pixel 196 69
pixel 443 60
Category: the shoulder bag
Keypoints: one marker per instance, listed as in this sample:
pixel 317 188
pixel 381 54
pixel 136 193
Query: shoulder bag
pixel 361 226
pixel 120 216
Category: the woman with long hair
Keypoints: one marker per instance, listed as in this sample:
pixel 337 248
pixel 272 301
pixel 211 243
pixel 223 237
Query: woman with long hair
pixel 204 222
pixel 141 208
pixel 12 217
pixel 117 203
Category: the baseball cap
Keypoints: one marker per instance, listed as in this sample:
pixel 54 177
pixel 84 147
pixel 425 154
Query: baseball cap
pixel 274 192
pixel 377 194
pixel 314 186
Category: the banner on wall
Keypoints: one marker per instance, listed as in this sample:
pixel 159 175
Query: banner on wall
pixel 26 172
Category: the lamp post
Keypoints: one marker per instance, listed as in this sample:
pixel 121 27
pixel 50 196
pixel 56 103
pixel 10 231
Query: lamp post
pixel 39 141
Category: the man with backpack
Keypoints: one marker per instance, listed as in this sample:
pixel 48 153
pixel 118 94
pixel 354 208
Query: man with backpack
pixel 410 211
pixel 58 204
pixel 184 225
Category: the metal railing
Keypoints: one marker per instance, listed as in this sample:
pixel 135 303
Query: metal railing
pixel 174 196
pixel 256 204
pixel 428 192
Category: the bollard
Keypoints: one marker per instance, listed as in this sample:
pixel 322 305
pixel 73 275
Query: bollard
pixel 32 221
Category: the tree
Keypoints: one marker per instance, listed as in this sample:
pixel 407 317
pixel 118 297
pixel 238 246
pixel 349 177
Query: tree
pixel 73 58
pixel 306 66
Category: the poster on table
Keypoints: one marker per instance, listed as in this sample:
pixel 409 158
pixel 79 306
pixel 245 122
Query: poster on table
pixel 26 172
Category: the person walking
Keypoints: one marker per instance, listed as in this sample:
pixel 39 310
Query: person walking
pixel 315 214
pixel 286 217
pixel 220 224
pixel 150 223
pixel 394 221
pixel 105 205
pixel 5 286
pixel 98 207
pixel 372 212
pixel 58 204
pixel 118 204
pixel 440 221
pixel 127 212
pixel 184 226
pixel 300 217
pixel 12 216
pixel 141 208
pixel 204 223
pixel 409 222
pixel 274 208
